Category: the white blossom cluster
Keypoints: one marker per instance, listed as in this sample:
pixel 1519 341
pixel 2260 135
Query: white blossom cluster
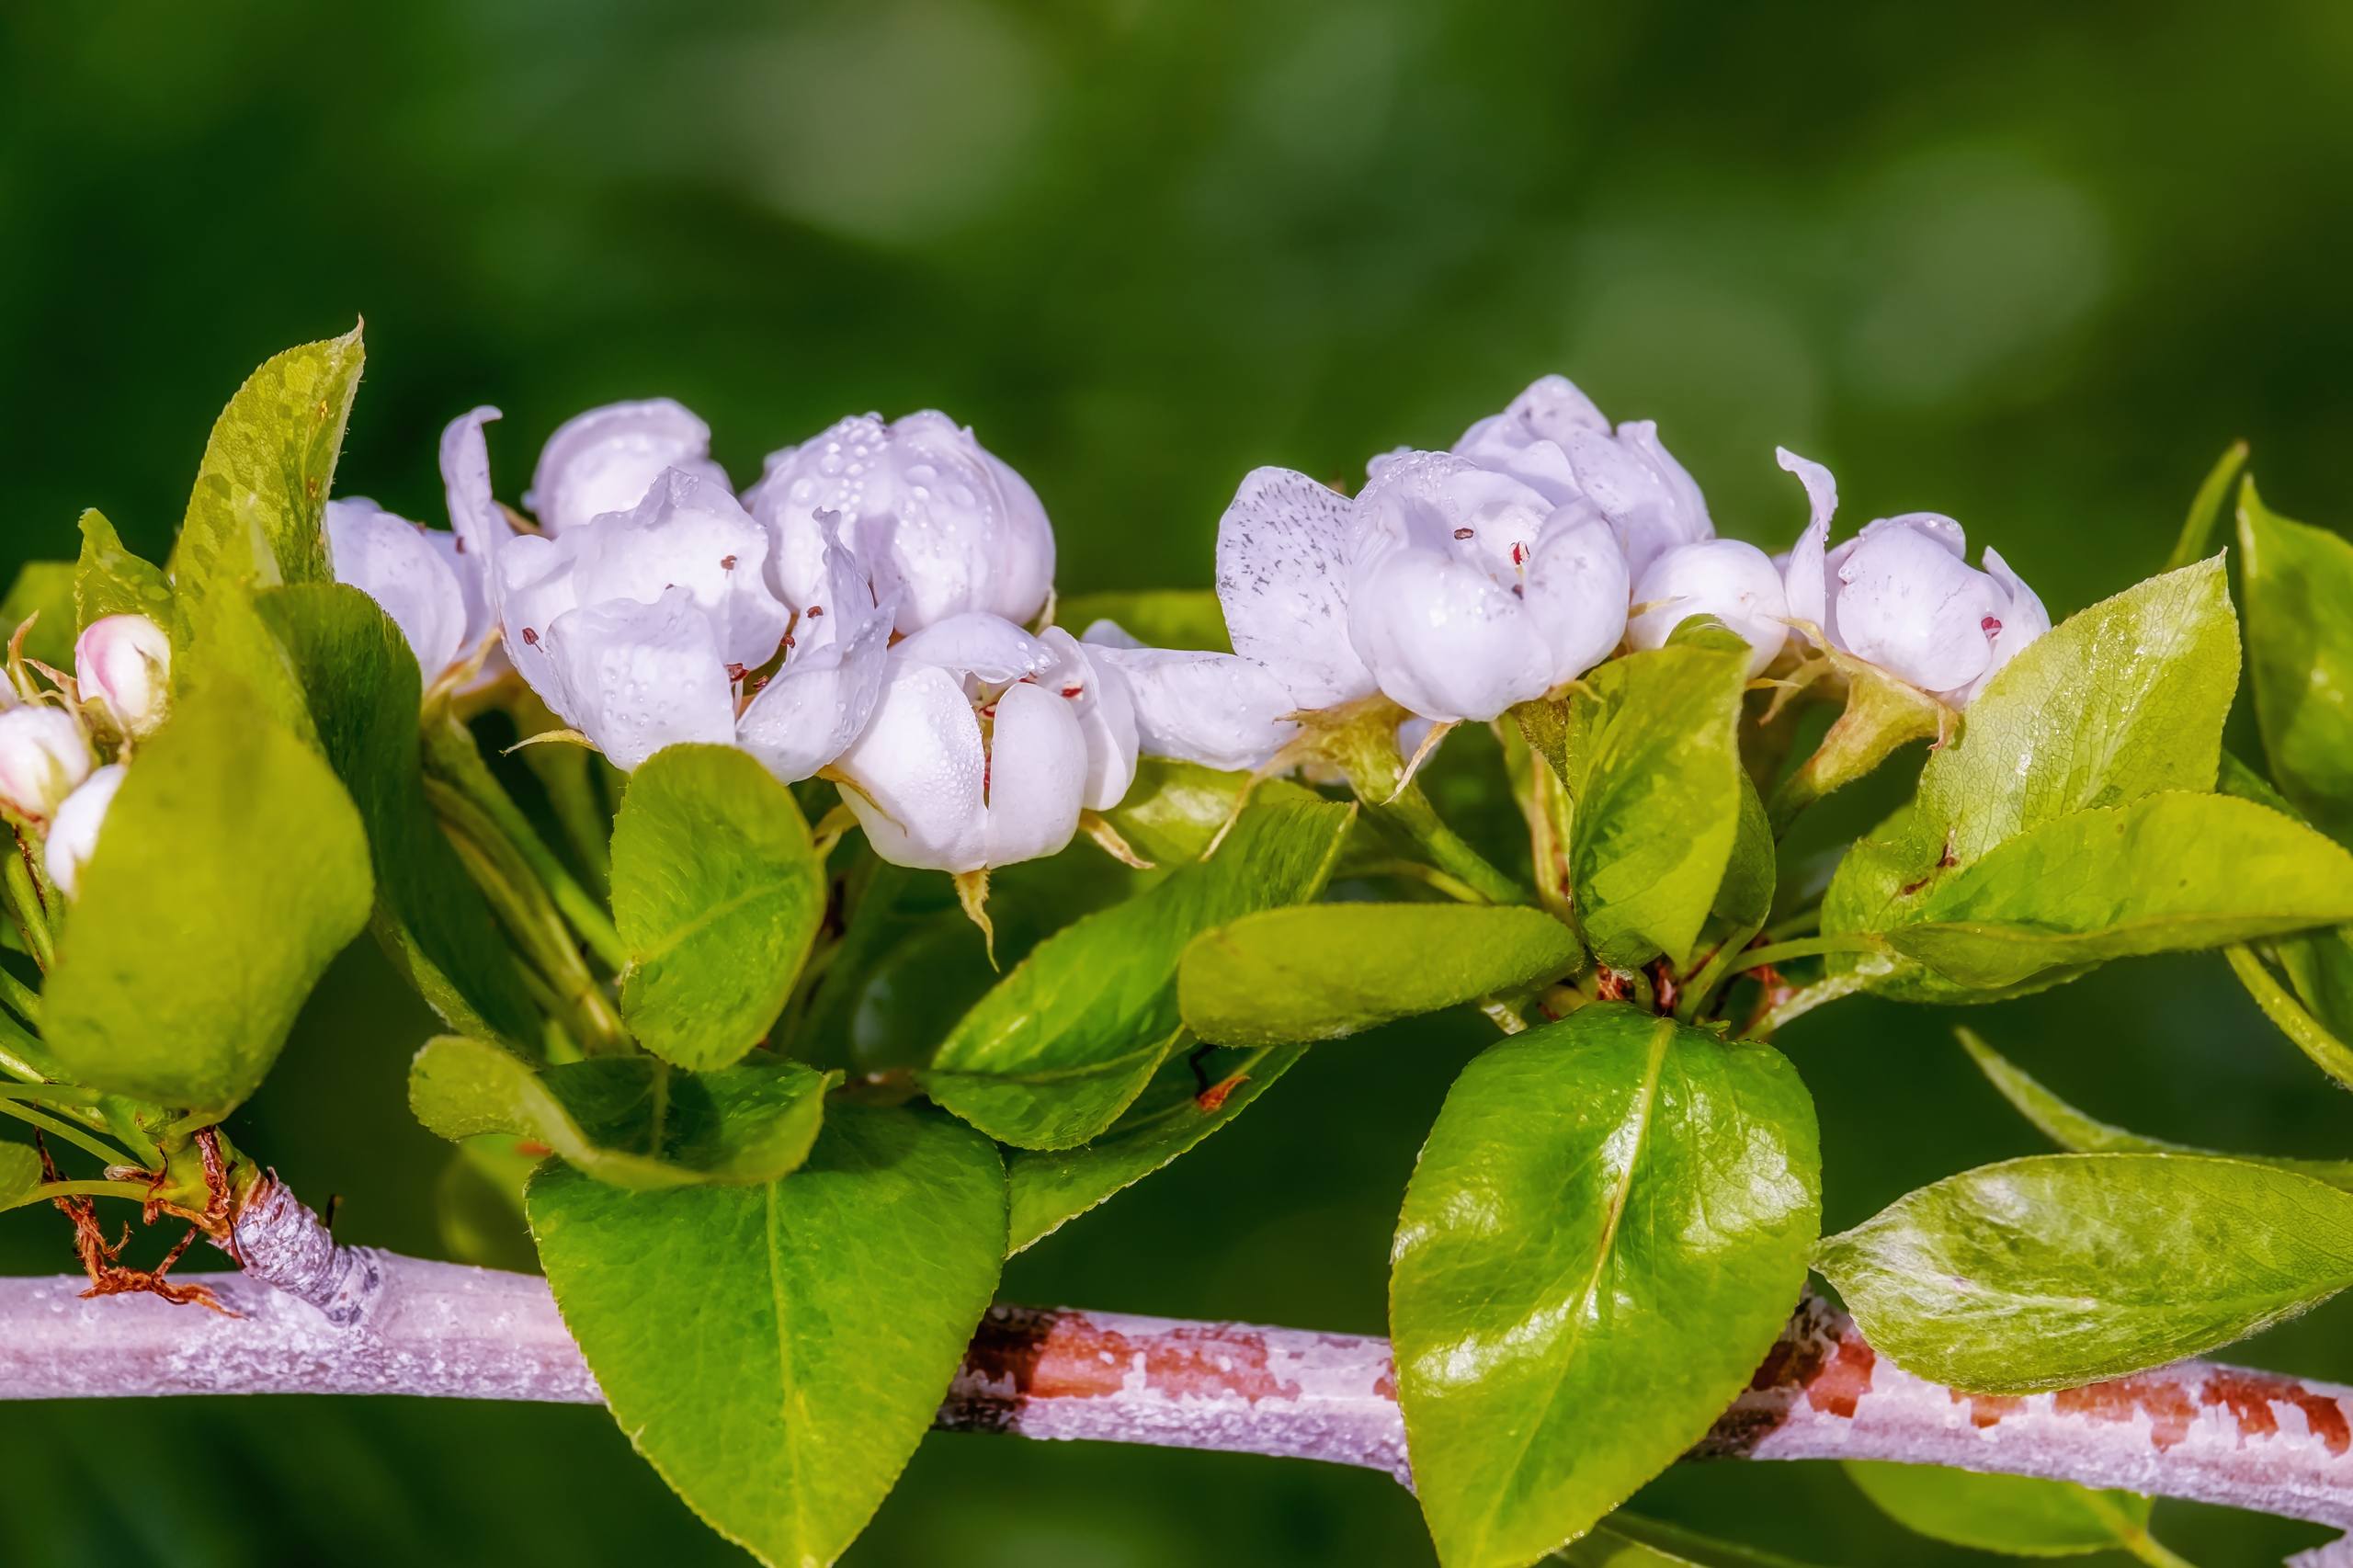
pixel 54 781
pixel 872 607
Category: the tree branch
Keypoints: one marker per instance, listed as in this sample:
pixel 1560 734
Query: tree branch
pixel 318 1318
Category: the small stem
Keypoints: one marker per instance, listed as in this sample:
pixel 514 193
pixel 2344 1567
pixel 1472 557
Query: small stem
pixel 1429 876
pixel 19 998
pixel 25 904
pixel 44 1191
pixel 1702 988
pixel 2206 509
pixel 1364 744
pixel 22 1055
pixel 88 1143
pixel 1804 923
pixel 451 755
pixel 1803 947
pixel 524 908
pixel 2153 1551
pixel 2327 1052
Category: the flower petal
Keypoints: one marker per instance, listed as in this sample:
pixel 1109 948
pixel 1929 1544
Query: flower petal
pixel 606 459
pixel 2023 619
pixel 1282 554
pixel 1219 709
pixel 1805 579
pixel 1728 578
pixel 481 527
pixel 1577 592
pixel 1098 693
pixel 840 471
pixel 1443 637
pixel 393 561
pixel 918 770
pixel 1037 775
pixel 1527 439
pixel 642 676
pixel 687 532
pixel 531 584
pixel 987 646
pixel 810 710
pixel 1647 495
pixel 1910 606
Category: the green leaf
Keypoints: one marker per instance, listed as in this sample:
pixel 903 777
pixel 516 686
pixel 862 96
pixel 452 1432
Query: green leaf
pixel 111 580
pixel 42 594
pixel 232 869
pixel 1626 1540
pixel 1052 1054
pixel 361 686
pixel 629 1121
pixel 2014 1515
pixel 258 513
pixel 2299 583
pixel 1320 971
pixel 1746 899
pixel 2059 1270
pixel 2169 872
pixel 1174 810
pixel 1649 751
pixel 717 895
pixel 1605 1234
pixel 1050 1187
pixel 2120 702
pixel 20 1171
pixel 2073 1130
pixel 777 1351
pixel 1158 618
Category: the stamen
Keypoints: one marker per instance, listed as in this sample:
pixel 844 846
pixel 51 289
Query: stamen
pixel 531 637
pixel 1519 555
pixel 1466 533
pixel 814 611
pixel 1991 627
pixel 727 563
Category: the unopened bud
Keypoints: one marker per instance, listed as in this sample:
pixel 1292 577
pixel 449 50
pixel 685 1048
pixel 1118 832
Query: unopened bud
pixel 43 754
pixel 123 663
pixel 73 836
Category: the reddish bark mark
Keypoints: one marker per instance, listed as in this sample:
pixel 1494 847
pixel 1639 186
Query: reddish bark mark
pixel 2162 1400
pixel 1385 1385
pixel 2249 1397
pixel 1067 1356
pixel 1988 1409
pixel 1839 1386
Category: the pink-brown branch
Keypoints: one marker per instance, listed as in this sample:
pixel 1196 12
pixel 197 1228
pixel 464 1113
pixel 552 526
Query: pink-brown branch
pixel 317 1318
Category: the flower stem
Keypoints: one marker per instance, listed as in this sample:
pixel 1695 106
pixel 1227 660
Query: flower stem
pixel 89 1143
pixel 25 904
pixel 1803 947
pixel 2328 1053
pixel 453 757
pixel 1364 744
pixel 43 1192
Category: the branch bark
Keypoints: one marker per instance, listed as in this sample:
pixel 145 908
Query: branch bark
pixel 319 1318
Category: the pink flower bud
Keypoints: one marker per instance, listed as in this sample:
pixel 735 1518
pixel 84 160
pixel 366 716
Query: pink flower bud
pixel 43 754
pixel 73 836
pixel 123 663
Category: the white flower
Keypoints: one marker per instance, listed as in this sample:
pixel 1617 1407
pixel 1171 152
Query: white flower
pixel 43 754
pixel 987 745
pixel 123 663
pixel 420 577
pixel 73 836
pixel 1552 440
pixel 647 627
pixel 944 523
pixel 1727 578
pixel 606 459
pixel 1470 592
pixel 1902 595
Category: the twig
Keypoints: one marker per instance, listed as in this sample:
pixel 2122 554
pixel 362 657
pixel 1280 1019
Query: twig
pixel 353 1320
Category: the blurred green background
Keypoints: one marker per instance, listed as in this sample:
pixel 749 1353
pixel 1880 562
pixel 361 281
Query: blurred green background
pixel 2030 266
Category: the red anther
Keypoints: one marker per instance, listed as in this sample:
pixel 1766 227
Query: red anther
pixel 727 563
pixel 735 671
pixel 531 637
pixel 816 610
pixel 1519 555
pixel 1073 691
pixel 1991 627
pixel 1465 533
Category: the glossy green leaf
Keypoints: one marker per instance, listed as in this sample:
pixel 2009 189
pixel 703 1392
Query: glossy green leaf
pixel 1052 1054
pixel 1158 618
pixel 2299 583
pixel 2074 1130
pixel 1649 750
pixel 777 1351
pixel 1603 1236
pixel 111 580
pixel 2121 701
pixel 2068 1268
pixel 1049 1187
pixel 361 686
pixel 1751 875
pixel 629 1122
pixel 2014 1515
pixel 2169 872
pixel 1174 810
pixel 1323 971
pixel 718 894
pixel 231 870
pixel 42 594
pixel 257 514
pixel 1626 1540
